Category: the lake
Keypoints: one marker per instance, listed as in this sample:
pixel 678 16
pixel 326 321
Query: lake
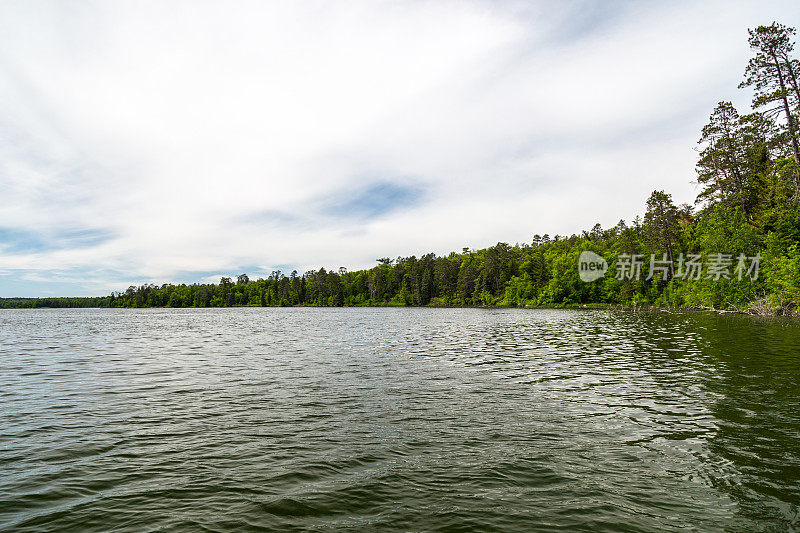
pixel 368 419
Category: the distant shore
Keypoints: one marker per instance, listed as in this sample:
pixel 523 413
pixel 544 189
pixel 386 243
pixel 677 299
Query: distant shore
pixel 37 303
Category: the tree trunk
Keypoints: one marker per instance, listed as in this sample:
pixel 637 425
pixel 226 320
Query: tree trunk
pixel 792 129
pixel 793 78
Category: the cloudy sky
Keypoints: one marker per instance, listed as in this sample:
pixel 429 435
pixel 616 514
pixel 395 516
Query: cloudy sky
pixel 178 142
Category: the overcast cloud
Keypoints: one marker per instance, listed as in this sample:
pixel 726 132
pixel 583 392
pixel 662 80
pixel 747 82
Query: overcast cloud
pixel 177 142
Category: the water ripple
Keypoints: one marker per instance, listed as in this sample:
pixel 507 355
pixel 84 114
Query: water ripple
pixel 397 419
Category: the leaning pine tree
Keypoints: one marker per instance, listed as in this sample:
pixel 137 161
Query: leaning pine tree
pixel 773 75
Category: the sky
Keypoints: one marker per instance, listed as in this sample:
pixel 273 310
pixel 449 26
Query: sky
pixel 156 142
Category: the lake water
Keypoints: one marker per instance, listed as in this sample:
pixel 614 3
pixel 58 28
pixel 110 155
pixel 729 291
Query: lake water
pixel 397 419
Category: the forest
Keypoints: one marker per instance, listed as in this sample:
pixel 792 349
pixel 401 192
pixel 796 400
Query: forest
pixel 748 172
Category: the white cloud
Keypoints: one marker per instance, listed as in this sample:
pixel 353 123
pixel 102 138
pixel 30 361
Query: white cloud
pixel 169 126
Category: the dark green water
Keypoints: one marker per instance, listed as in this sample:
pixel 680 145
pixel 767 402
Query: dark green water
pixel 397 419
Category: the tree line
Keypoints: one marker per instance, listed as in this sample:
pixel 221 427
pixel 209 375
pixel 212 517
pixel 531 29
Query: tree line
pixel 748 170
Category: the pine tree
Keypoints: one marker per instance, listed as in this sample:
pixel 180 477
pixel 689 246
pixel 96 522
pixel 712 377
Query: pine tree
pixel 773 75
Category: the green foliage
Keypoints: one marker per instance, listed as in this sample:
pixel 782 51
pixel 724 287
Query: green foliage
pixel 784 278
pixel 35 303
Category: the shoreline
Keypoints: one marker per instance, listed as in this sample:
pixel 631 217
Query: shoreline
pixel 619 308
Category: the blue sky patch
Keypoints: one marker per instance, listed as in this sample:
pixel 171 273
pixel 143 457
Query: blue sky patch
pixel 374 200
pixel 20 241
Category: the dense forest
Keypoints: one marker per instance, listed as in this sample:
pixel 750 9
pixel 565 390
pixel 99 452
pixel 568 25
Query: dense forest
pixel 748 171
